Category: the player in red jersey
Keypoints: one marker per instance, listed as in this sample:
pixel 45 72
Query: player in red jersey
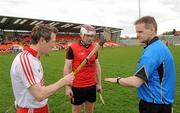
pixel 88 80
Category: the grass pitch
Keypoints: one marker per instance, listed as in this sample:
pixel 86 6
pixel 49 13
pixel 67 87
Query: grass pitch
pixel 114 62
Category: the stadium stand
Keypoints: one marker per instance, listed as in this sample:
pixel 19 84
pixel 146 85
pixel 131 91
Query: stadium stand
pixel 14 35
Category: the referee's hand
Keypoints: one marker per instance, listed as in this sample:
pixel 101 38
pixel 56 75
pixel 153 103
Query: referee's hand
pixel 111 80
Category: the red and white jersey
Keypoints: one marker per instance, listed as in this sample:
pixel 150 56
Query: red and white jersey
pixel 26 70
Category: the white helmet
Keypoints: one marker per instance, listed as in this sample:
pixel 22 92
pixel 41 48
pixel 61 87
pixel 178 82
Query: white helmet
pixel 87 30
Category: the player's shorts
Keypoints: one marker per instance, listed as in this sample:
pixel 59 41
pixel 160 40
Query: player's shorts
pixel 35 110
pixel 146 107
pixel 80 95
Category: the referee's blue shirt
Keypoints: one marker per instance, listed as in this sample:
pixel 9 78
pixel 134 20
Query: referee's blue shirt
pixel 156 67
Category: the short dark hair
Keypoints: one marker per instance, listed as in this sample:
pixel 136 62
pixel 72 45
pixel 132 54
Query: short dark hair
pixel 147 20
pixel 42 30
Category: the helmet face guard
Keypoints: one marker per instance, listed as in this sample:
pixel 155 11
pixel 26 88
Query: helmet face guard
pixel 88 30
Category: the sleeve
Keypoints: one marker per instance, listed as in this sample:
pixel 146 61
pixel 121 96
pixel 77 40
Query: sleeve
pixel 27 72
pixel 69 54
pixel 146 67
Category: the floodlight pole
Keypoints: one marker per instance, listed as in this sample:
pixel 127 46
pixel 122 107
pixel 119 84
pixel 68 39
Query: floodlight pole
pixel 139 8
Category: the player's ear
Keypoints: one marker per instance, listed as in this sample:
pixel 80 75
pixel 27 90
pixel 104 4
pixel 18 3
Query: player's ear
pixel 41 40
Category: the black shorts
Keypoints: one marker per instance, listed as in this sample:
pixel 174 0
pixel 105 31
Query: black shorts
pixel 145 107
pixel 80 95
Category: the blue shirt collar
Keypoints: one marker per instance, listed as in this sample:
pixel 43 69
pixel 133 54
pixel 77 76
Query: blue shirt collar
pixel 152 41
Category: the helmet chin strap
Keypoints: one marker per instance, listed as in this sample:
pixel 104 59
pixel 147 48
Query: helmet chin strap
pixel 85 44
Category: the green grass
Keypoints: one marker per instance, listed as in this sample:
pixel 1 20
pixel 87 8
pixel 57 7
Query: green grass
pixel 114 62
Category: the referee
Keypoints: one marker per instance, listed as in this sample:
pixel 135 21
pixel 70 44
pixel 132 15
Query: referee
pixel 155 76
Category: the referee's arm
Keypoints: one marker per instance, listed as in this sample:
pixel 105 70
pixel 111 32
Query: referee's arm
pixel 132 81
pixel 137 80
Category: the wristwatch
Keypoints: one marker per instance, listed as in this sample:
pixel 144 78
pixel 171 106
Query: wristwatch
pixel 118 78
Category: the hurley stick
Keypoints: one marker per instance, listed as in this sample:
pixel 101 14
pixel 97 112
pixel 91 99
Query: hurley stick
pixel 106 37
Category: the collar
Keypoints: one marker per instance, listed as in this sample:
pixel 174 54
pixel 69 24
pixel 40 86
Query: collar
pixel 30 50
pixel 85 45
pixel 152 41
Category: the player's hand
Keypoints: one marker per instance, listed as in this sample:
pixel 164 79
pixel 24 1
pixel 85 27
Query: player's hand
pixel 99 88
pixel 68 79
pixel 69 92
pixel 111 80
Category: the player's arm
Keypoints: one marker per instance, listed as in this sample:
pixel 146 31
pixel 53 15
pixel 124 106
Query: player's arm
pixel 41 93
pixel 68 61
pixel 132 81
pixel 68 69
pixel 98 75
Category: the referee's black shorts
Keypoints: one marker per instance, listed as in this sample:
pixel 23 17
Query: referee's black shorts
pixel 145 107
pixel 80 95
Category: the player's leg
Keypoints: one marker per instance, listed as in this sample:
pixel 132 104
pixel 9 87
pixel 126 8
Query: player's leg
pixel 77 100
pixel 90 99
pixel 89 107
pixel 76 108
